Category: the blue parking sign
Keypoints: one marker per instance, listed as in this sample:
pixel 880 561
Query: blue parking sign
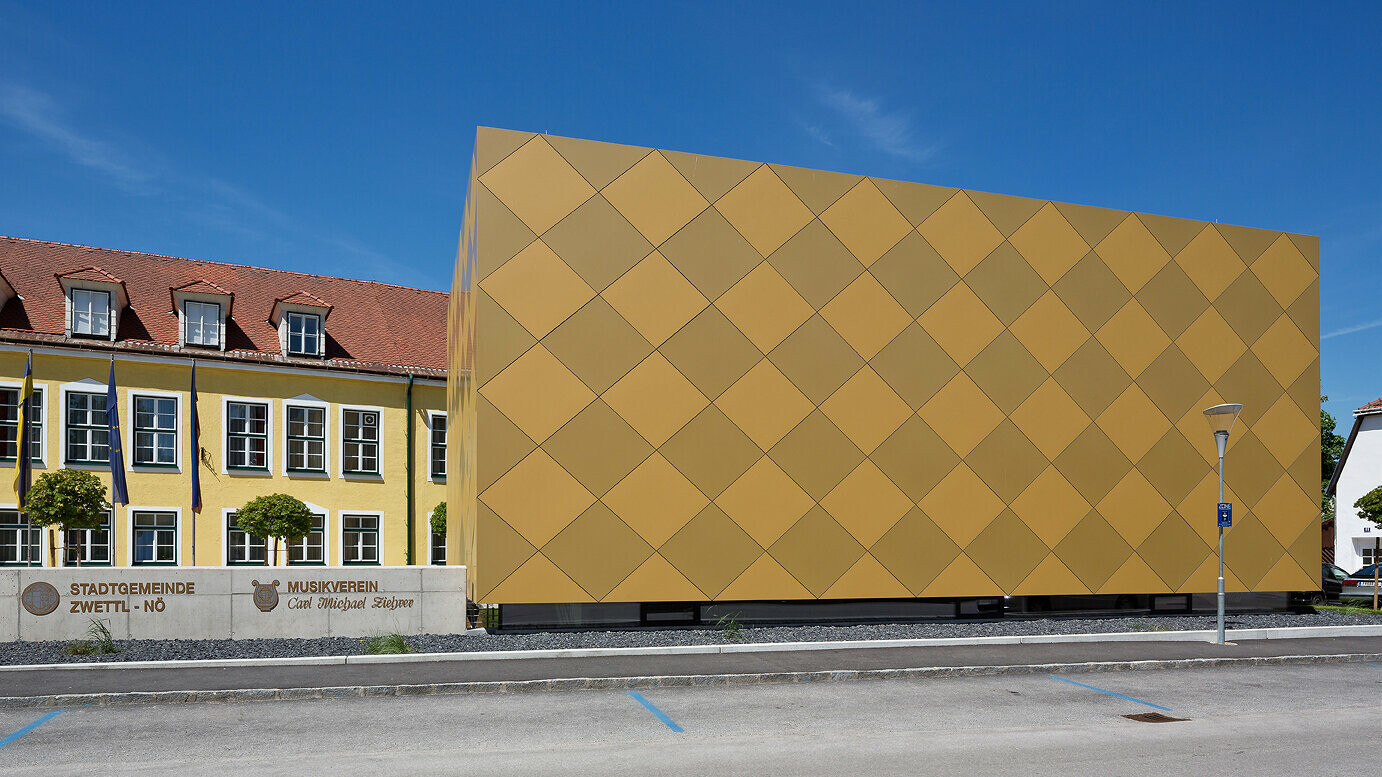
pixel 1225 514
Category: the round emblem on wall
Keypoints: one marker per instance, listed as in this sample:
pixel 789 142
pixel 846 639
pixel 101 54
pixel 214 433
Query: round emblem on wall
pixel 40 598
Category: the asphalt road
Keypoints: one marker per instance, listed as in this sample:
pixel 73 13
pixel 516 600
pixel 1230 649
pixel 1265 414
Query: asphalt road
pixel 1269 720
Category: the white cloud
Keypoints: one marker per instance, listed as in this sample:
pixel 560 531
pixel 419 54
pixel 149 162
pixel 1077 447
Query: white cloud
pixel 1348 330
pixel 205 200
pixel 35 113
pixel 887 131
pixel 818 134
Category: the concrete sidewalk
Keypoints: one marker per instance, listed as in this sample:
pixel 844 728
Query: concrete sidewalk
pixel 48 686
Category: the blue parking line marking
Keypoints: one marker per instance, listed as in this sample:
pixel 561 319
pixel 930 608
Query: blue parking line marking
pixel 1110 693
pixel 662 716
pixel 21 732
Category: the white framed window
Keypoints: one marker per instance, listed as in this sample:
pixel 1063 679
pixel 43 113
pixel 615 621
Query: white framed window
pixel 90 313
pixel 155 536
pixel 310 550
pixel 360 535
pixel 154 429
pixel 241 548
pixel 90 547
pixel 305 433
pixel 360 436
pixel 436 447
pixel 9 424
pixel 87 436
pixel 304 334
pixel 248 431
pixel 201 323
pixel 21 543
pixel 436 549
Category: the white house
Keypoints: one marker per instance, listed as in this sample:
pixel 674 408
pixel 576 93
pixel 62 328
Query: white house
pixel 1359 471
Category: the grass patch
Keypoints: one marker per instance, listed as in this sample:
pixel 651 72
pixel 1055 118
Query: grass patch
pixel 730 628
pixel 98 641
pixel 382 644
pixel 1349 609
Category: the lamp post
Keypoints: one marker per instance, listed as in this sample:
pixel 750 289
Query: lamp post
pixel 1221 418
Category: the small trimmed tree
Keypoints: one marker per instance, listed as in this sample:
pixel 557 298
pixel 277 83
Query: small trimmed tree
pixel 67 499
pixel 438 519
pixel 1369 508
pixel 279 517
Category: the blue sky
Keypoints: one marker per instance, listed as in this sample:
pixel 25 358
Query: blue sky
pixel 335 138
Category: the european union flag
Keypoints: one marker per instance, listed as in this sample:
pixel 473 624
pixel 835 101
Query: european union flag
pixel 23 463
pixel 118 492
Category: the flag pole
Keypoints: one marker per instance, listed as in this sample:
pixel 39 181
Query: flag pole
pixel 23 462
pixel 195 463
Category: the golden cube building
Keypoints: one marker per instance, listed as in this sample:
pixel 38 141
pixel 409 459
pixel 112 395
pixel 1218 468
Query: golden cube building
pixel 703 379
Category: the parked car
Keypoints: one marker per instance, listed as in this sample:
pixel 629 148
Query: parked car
pixel 1332 579
pixel 1359 584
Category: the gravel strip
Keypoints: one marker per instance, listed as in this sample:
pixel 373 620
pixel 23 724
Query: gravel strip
pixel 182 649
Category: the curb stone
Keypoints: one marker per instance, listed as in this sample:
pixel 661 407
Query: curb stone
pixel 668 681
pixel 1276 633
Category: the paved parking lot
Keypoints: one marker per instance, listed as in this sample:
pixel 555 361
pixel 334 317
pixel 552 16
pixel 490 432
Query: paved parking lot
pixel 1263 720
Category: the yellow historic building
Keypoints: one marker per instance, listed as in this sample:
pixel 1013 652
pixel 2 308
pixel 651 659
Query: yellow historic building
pixel 327 389
pixel 700 379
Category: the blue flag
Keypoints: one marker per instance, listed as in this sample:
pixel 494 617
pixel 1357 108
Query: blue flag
pixel 23 464
pixel 118 493
pixel 196 447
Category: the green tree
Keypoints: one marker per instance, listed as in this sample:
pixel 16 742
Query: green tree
pixel 1331 448
pixel 1369 507
pixel 438 518
pixel 275 516
pixel 67 499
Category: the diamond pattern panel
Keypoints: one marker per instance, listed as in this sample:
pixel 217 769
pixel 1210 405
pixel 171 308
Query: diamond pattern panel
pixel 954 383
pixel 914 274
pixel 597 242
pixel 866 503
pixel 915 550
pixel 538 185
pixel 816 551
pixel 866 316
pixel 622 551
pixel 764 210
pixel 764 307
pixel 655 198
pixel 866 410
pixel 711 352
pixel 865 222
pixel 597 345
pixel 655 299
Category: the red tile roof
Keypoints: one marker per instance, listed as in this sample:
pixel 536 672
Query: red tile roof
pixel 376 327
pixel 1374 406
pixel 201 286
pixel 303 298
pixel 89 274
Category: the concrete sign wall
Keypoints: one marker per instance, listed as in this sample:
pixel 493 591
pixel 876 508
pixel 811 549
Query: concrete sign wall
pixel 231 602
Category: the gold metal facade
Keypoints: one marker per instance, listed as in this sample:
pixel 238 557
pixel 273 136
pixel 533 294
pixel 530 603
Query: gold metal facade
pixel 699 379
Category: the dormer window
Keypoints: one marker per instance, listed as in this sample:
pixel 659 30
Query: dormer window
pixel 301 321
pixel 203 309
pixel 304 334
pixel 94 299
pixel 203 323
pixel 91 313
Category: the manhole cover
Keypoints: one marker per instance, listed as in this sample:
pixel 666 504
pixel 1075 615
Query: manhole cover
pixel 1153 717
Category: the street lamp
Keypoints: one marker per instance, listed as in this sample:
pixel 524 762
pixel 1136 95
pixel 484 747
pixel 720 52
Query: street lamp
pixel 1221 418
